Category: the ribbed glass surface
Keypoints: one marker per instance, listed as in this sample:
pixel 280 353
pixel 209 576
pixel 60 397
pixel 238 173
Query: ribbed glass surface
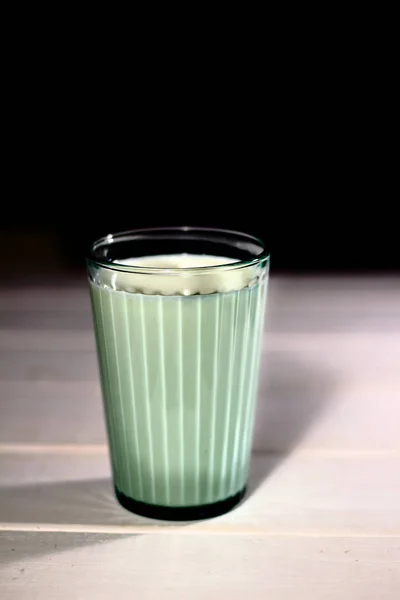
pixel 179 377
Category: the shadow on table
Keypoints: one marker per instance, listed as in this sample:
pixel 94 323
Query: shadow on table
pixel 292 396
pixel 86 502
pixel 18 548
pixel 81 503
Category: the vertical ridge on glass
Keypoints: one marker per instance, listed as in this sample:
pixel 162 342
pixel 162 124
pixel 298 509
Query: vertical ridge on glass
pixel 231 357
pixel 255 380
pixel 147 401
pixel 108 397
pixel 198 400
pixel 241 399
pixel 218 311
pixel 164 398
pixel 180 392
pixel 252 381
pixel 123 422
pixel 131 398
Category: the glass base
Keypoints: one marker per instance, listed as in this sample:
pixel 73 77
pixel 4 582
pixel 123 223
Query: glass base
pixel 180 513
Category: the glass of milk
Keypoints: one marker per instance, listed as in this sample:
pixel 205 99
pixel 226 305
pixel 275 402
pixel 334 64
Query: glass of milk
pixel 178 316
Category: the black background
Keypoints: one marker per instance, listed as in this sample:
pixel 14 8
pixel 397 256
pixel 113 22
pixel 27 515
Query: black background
pixel 310 178
pixel 326 238
pixel 290 137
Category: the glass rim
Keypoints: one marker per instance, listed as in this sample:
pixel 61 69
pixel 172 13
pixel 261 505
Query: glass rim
pixel 130 235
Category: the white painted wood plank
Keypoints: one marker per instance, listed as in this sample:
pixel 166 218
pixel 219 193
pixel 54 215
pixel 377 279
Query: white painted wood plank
pixel 59 297
pixel 294 305
pixel 45 365
pixel 363 297
pixel 334 356
pixel 22 320
pixel 301 494
pixel 336 305
pixel 308 383
pixel 327 415
pixel 82 566
pixel 295 410
pixel 374 290
pixel 340 353
pixel 323 356
pixel 51 340
pixel 51 412
pixel 294 319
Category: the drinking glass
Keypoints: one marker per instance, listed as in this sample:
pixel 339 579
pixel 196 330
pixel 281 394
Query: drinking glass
pixel 178 316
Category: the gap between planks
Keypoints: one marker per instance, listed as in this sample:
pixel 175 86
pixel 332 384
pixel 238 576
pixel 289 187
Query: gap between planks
pixel 200 528
pixel 102 450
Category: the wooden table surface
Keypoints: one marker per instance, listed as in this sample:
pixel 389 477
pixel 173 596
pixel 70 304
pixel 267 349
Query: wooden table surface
pixel 322 516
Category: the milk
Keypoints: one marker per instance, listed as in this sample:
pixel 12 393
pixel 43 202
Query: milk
pixel 179 359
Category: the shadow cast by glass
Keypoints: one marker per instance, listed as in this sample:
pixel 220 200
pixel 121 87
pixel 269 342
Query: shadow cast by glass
pixel 292 396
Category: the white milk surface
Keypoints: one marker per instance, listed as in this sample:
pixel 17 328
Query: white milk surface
pixel 185 282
